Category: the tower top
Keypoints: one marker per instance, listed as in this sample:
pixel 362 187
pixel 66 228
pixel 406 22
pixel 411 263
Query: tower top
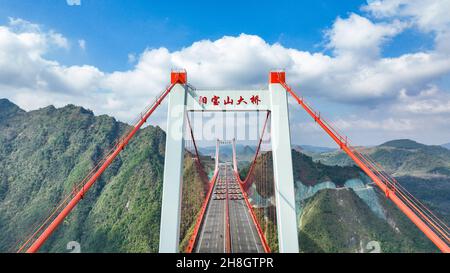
pixel 277 76
pixel 178 76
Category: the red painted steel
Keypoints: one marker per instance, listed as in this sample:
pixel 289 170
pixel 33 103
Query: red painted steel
pixel 248 181
pixel 228 229
pixel 391 190
pixel 178 77
pixel 423 218
pixel 277 77
pixel 193 240
pixel 109 159
pixel 255 220
pixel 244 186
pixel 197 160
pixel 192 137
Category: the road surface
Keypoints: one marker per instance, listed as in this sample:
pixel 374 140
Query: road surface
pixel 243 236
pixel 212 232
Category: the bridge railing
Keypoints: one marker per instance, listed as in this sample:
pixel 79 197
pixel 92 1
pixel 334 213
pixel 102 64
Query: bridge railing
pixel 46 229
pixel 434 228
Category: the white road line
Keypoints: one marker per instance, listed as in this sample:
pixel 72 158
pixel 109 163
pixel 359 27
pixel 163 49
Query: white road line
pixel 208 209
pixel 253 234
pixel 224 229
pixel 201 235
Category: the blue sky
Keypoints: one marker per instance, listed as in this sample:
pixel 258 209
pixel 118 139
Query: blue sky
pixel 105 24
pixel 379 70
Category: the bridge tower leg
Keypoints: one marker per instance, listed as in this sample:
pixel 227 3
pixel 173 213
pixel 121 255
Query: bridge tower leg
pixel 282 165
pixel 173 166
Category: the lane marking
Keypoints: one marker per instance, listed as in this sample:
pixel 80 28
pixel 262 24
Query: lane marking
pixel 224 229
pixel 204 228
pixel 253 234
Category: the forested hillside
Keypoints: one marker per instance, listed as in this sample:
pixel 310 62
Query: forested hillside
pixel 46 152
pixel 339 210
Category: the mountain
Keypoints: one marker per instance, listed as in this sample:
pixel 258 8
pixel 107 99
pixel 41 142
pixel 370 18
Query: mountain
pixel 195 188
pixel 399 158
pixel 338 209
pixel 309 149
pixel 403 144
pixel 44 153
pixel 423 169
pixel 447 145
pixel 340 221
pixel 245 153
pixel 8 109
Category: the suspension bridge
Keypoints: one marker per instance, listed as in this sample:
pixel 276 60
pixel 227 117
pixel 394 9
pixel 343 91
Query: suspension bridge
pixel 228 220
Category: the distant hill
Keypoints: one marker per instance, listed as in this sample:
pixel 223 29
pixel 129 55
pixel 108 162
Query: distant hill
pixel 340 221
pixel 309 149
pixel 423 169
pixel 403 144
pixel 244 153
pixel 399 157
pixel 447 145
pixel 338 211
pixel 44 153
pixel 8 109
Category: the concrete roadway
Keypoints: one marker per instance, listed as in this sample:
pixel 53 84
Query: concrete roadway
pixel 243 233
pixel 212 233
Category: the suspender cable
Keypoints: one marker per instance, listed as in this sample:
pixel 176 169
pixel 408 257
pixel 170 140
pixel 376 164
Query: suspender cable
pixel 93 176
pixel 194 237
pixel 248 180
pixel 414 213
pixel 244 185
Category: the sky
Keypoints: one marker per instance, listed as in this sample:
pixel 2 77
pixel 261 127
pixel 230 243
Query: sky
pixel 378 70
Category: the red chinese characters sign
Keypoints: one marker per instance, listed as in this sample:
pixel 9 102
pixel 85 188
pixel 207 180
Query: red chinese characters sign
pixel 227 100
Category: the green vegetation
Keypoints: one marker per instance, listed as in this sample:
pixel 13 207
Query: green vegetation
pixel 45 153
pixel 403 144
pixel 434 192
pixel 267 221
pixel 305 170
pixel 339 221
pixel 422 169
pixel 399 157
pixel 311 173
pixel 195 190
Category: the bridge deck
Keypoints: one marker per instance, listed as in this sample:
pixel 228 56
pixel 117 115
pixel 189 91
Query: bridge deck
pixel 243 233
pixel 212 234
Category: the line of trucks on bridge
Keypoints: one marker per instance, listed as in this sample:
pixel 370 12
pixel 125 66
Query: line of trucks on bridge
pixel 234 192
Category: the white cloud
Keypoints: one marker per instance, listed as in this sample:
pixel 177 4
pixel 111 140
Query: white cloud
pixel 131 58
pixel 244 61
pixel 58 40
pixel 355 123
pixel 431 15
pixel 73 2
pixel 359 38
pixel 82 44
pixel 430 101
pixel 428 16
pixel 355 72
pixel 20 25
pixel 389 124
